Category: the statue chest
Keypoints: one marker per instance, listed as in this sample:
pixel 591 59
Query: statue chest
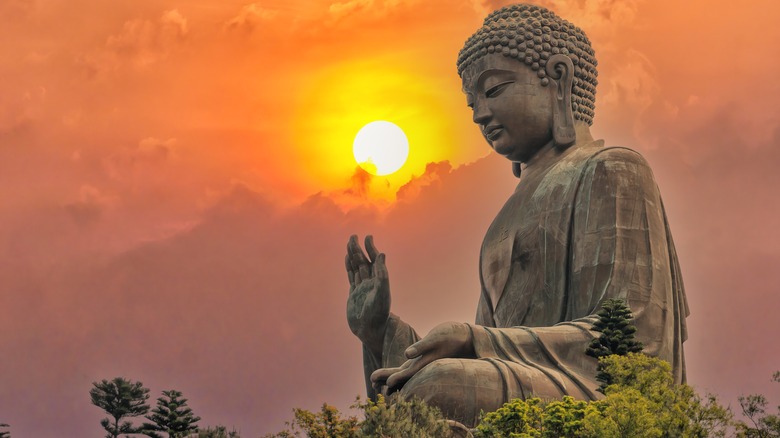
pixel 524 253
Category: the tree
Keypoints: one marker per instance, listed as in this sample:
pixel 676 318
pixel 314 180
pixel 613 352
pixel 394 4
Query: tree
pixel 401 419
pixel 324 424
pixel 120 398
pixel 754 409
pixel 517 417
pixel 533 418
pixel 171 416
pixel 617 335
pixel 643 386
pixel 397 419
pixel 218 432
pixel 643 402
pixel 617 331
pixel 4 433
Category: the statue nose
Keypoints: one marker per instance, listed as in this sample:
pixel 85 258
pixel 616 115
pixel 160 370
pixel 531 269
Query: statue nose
pixel 481 114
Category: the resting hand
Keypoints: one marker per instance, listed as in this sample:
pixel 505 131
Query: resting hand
pixel 447 340
pixel 368 305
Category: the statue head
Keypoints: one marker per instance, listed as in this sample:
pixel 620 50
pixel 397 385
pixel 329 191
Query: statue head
pixel 529 76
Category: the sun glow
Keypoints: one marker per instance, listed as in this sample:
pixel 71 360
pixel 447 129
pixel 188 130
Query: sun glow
pixel 338 100
pixel 380 148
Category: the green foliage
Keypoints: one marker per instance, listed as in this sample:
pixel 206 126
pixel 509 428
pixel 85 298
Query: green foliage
pixel 533 418
pixel 517 419
pixel 4 433
pixel 327 423
pixel 397 419
pixel 762 425
pixel 644 397
pixel 120 398
pixel 217 432
pixel 171 416
pixel 642 401
pixel 566 418
pixel 617 331
pixel 400 419
pixel 617 335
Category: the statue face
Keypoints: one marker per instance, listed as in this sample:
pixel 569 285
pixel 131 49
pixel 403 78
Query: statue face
pixel 510 105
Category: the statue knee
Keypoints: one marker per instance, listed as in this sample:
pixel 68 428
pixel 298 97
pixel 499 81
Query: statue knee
pixel 445 384
pixel 439 376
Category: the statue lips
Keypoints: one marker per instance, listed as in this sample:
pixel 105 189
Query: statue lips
pixel 492 132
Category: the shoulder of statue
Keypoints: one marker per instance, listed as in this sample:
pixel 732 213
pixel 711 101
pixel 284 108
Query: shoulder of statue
pixel 614 155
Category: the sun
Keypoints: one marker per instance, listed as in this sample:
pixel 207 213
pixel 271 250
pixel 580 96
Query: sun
pixel 380 148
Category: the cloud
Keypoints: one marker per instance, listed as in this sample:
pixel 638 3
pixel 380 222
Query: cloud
pixel 590 14
pixel 342 9
pixel 358 9
pixel 250 17
pixel 149 152
pixel 248 299
pixel 433 174
pixel 251 297
pixel 632 88
pixel 112 263
pixel 87 210
pixel 14 10
pixel 18 112
pixel 140 44
pixel 361 182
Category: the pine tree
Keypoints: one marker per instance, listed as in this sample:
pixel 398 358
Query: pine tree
pixel 617 336
pixel 121 399
pixel 171 416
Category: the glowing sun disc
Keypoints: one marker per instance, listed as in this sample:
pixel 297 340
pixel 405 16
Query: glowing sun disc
pixel 380 148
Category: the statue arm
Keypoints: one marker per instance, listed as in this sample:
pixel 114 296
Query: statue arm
pixel 620 247
pixel 398 337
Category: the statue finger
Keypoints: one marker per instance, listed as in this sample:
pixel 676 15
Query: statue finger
pixel 350 273
pixel 351 259
pixel 356 252
pixel 371 248
pixel 406 372
pixel 380 269
pixel 379 377
pixel 360 264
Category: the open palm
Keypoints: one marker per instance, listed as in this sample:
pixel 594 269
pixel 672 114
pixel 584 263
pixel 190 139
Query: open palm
pixel 368 305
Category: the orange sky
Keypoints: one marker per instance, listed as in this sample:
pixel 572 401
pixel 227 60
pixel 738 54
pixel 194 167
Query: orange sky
pixel 177 188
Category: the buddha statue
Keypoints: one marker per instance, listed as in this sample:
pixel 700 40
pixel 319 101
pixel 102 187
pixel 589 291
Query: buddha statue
pixel 585 224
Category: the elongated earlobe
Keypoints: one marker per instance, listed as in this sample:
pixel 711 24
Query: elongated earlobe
pixel 516 169
pixel 561 70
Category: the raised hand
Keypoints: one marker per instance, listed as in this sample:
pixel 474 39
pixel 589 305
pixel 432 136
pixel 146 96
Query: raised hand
pixel 446 340
pixel 368 305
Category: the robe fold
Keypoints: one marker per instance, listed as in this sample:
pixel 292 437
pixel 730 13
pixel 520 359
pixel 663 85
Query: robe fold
pixel 584 225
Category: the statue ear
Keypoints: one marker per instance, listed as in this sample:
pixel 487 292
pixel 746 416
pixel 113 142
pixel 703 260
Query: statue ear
pixel 561 70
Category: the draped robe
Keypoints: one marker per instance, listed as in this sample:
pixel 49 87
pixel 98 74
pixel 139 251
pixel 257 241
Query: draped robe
pixel 584 225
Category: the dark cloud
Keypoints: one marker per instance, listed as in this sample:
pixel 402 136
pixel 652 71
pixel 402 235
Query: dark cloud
pixel 86 211
pixel 361 183
pixel 249 303
pixel 433 173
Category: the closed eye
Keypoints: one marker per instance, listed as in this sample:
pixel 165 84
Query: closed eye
pixel 497 89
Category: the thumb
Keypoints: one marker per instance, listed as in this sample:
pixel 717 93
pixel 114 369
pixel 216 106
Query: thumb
pixel 417 349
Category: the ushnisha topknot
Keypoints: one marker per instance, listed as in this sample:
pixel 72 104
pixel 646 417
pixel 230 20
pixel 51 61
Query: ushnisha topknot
pixel 531 34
